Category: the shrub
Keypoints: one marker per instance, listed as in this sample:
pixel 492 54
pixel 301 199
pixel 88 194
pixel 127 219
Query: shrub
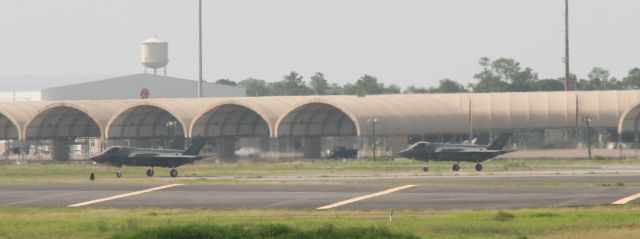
pixel 270 231
pixel 544 214
pixel 504 216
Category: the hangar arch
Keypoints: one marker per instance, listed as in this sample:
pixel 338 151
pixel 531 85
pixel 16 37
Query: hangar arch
pixel 14 116
pixel 8 128
pixel 241 122
pixel 396 114
pixel 397 117
pixel 145 121
pixel 230 119
pixel 317 119
pixel 63 120
pixel 629 123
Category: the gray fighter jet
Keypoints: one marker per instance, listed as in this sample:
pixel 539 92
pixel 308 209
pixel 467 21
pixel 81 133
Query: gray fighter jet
pixel 427 151
pixel 169 158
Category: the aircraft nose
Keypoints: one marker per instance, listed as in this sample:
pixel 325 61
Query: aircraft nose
pixel 97 158
pixel 403 153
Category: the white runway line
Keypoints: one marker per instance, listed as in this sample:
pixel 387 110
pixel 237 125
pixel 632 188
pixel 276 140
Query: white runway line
pixel 391 190
pixel 626 200
pixel 123 195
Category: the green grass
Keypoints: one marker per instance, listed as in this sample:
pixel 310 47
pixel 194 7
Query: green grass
pixel 590 222
pixel 243 170
pixel 261 231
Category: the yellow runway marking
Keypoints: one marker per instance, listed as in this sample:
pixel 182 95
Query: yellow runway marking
pixel 626 200
pixel 391 190
pixel 123 195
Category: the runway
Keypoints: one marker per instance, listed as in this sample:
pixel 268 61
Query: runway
pixel 450 193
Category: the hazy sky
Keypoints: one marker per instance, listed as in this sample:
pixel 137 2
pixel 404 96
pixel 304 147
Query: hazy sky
pixel 400 41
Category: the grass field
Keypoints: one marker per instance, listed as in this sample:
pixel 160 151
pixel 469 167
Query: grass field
pixel 239 171
pixel 590 222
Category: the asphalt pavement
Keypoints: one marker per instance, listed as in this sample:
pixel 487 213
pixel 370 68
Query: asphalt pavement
pixel 421 193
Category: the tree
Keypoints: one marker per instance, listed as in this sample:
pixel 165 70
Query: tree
pixel 414 90
pixel 368 85
pixel 632 80
pixel 573 83
pixel 503 74
pixel 448 86
pixel 392 89
pixel 489 81
pixel 226 82
pixel 319 84
pixel 548 85
pixel 255 87
pixel 351 89
pixel 291 84
pixel 598 79
pixel 335 89
pixel 506 68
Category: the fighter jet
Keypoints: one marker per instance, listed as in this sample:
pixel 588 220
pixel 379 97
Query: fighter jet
pixel 120 156
pixel 427 151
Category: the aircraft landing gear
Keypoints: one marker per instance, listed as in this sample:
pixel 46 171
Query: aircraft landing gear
pixel 425 169
pixel 174 173
pixel 478 167
pixel 456 167
pixel 119 173
pixel 150 172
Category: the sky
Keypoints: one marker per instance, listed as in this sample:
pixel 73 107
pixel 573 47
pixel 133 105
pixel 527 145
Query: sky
pixel 402 42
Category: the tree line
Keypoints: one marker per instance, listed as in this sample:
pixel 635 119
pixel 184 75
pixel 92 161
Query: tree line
pixel 499 75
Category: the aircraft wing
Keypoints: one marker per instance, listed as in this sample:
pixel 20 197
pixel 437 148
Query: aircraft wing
pixel 469 150
pixel 448 150
pixel 144 155
pixel 160 156
pixel 159 160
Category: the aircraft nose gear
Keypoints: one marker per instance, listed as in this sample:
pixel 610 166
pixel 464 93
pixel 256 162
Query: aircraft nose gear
pixel 425 169
pixel 478 167
pixel 455 167
pixel 150 172
pixel 174 172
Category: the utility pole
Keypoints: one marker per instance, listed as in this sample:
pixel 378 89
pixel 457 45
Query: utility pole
pixel 199 48
pixel 567 74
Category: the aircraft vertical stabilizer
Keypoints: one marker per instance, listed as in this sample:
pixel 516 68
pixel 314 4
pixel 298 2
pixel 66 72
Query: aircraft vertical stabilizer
pixel 500 142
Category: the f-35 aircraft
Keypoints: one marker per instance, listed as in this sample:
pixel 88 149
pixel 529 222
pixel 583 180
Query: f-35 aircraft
pixel 169 158
pixel 427 151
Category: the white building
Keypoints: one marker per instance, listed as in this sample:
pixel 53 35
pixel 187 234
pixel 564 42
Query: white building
pixel 32 88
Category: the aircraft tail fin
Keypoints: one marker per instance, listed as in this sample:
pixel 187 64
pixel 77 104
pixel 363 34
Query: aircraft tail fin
pixel 500 142
pixel 196 147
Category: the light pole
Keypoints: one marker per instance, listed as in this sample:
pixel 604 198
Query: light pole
pixel 372 122
pixel 587 120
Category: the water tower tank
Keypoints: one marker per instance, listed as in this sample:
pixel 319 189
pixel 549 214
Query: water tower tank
pixel 155 53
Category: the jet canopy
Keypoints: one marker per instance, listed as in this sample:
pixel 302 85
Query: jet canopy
pixel 112 150
pixel 420 145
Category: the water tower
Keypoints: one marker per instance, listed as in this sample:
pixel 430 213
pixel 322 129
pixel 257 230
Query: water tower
pixel 155 54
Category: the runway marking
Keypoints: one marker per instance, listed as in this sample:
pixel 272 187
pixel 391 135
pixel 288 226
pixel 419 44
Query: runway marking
pixel 627 199
pixel 123 195
pixel 345 202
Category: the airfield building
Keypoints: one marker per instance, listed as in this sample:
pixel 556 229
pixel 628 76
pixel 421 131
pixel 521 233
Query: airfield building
pixel 306 126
